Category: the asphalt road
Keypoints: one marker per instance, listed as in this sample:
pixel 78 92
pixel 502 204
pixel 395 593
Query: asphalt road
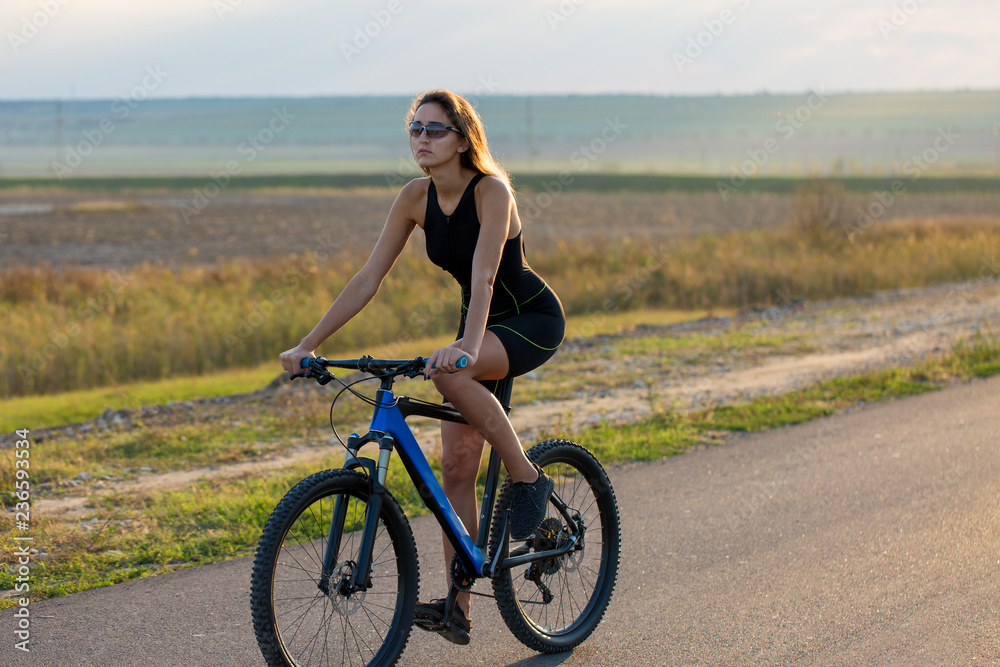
pixel 870 538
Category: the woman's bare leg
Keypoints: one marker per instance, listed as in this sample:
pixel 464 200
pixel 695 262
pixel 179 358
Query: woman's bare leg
pixel 482 409
pixel 461 456
pixel 462 445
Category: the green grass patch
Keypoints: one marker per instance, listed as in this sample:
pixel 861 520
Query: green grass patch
pixel 821 400
pixel 759 416
pixel 76 406
pixel 664 434
pixel 977 357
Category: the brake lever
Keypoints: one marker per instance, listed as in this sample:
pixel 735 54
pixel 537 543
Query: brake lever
pixel 416 367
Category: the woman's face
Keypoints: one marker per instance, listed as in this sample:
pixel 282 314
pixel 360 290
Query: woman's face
pixel 430 152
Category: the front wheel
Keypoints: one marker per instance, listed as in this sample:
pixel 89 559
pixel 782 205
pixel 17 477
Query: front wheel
pixel 553 605
pixel 304 616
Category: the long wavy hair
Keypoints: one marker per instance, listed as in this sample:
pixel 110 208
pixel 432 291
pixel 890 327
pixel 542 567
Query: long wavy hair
pixel 462 116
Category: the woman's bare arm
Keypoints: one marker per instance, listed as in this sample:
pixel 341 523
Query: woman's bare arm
pixel 366 282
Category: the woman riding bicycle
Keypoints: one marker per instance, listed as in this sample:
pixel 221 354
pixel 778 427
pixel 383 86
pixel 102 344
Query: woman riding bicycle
pixel 511 321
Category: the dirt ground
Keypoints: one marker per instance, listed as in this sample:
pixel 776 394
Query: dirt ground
pixel 91 229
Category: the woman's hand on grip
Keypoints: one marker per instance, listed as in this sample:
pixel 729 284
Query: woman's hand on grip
pixel 447 360
pixel 291 359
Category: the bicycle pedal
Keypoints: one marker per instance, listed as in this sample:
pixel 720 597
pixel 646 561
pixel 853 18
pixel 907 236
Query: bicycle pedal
pixel 452 632
pixel 428 625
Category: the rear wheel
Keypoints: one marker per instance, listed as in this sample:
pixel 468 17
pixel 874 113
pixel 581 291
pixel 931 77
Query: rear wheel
pixel 302 618
pixel 555 604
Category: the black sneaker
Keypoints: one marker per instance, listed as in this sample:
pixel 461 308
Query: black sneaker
pixel 527 505
pixel 429 616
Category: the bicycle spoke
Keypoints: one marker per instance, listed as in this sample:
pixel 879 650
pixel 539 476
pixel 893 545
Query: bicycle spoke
pixel 295 622
pixel 310 602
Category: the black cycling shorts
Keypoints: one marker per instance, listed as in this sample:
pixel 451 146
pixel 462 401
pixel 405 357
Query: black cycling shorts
pixel 530 339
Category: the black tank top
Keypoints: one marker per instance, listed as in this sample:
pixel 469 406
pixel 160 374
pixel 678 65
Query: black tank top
pixel 451 244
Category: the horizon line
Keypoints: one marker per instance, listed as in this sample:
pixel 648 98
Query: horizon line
pixel 759 93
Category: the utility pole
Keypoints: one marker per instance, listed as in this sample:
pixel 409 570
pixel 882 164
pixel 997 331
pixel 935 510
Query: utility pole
pixel 529 123
pixel 59 130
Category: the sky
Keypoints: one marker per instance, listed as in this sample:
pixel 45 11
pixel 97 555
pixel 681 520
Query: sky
pixel 104 49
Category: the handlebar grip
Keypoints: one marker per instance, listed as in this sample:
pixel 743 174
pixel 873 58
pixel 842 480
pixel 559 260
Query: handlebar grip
pixel 463 362
pixel 304 362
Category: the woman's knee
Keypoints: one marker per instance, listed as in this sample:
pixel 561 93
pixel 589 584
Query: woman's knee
pixel 447 383
pixel 459 466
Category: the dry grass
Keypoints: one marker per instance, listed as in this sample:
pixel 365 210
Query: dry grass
pixel 820 209
pixel 77 328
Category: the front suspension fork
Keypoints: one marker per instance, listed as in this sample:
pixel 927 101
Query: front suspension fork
pixel 360 579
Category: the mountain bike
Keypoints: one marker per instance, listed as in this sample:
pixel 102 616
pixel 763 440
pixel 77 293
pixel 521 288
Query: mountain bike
pixel 336 575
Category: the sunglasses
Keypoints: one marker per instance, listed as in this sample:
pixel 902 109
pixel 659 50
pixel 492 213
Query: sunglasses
pixel 432 130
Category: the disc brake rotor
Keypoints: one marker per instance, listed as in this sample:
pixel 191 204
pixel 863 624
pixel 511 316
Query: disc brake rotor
pixel 346 603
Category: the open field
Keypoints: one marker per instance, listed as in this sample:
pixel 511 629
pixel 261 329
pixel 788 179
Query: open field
pixel 114 223
pixel 793 304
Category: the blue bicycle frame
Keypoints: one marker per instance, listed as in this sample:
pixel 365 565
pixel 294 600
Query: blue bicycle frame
pixel 389 429
pixel 388 419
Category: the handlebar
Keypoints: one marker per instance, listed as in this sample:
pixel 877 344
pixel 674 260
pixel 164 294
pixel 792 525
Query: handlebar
pixel 315 367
